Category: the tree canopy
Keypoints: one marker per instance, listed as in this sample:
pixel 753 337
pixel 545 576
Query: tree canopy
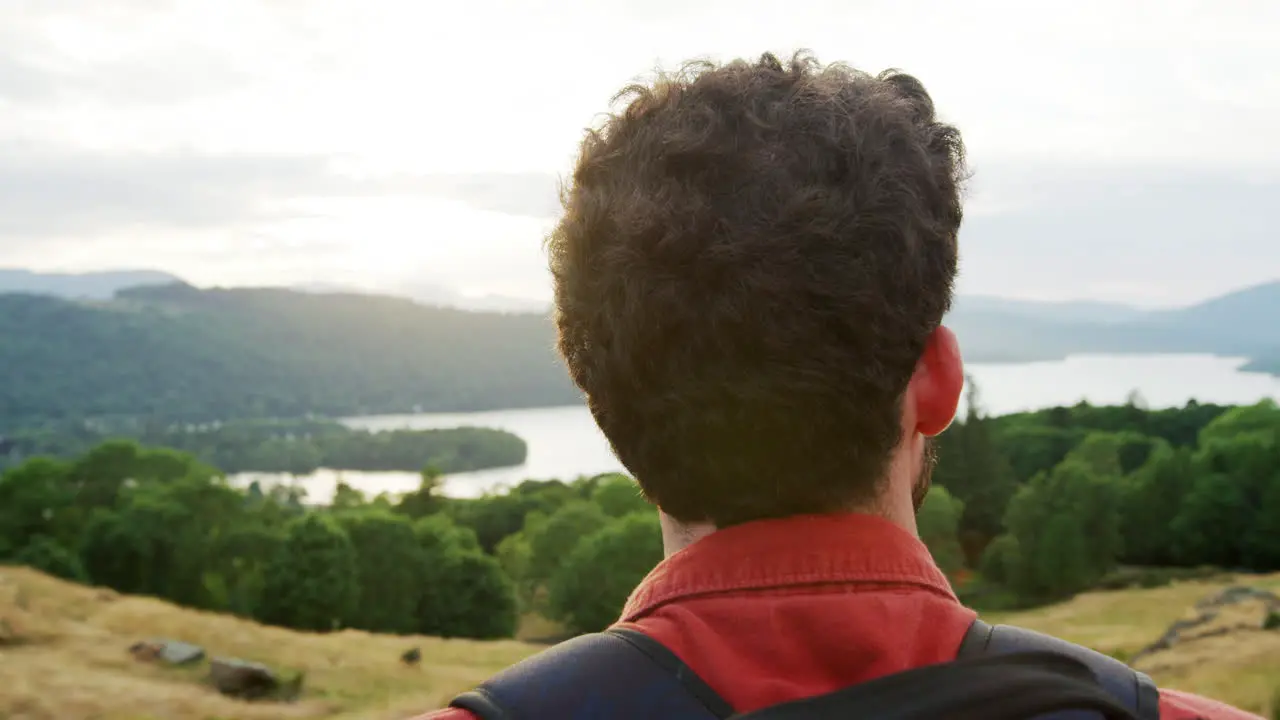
pixel 1111 487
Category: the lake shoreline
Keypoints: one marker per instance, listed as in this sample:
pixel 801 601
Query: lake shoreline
pixel 564 442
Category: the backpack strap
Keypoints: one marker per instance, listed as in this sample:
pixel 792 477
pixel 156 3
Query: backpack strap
pixel 618 674
pixel 1131 688
pixel 999 672
pixel 991 687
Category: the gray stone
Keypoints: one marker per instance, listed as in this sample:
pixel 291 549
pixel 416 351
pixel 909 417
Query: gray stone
pixel 242 679
pixel 176 652
pixel 171 652
pixel 252 681
pixel 1239 594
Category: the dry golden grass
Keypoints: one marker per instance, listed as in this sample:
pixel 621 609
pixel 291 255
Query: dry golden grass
pixel 1241 668
pixel 64 654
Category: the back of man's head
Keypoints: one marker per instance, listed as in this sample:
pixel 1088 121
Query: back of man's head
pixel 751 261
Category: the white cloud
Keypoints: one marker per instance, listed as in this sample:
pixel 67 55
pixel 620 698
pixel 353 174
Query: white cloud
pixel 485 101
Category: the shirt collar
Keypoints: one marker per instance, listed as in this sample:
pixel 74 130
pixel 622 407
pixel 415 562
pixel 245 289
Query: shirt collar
pixel 844 548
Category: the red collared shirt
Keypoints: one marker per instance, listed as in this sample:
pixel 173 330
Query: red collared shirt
pixel 778 610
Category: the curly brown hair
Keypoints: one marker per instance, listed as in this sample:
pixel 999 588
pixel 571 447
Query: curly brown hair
pixel 750 262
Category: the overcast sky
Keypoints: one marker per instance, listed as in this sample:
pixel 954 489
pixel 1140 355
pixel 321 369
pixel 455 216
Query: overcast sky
pixel 1122 150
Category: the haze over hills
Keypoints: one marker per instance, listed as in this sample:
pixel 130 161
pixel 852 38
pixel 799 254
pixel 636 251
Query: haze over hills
pixel 438 296
pixel 1244 323
pixel 1086 311
pixel 105 284
pixel 180 352
pixel 89 286
pixel 1248 318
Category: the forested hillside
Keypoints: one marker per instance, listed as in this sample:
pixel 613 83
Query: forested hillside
pixel 298 447
pixel 178 353
pixel 1035 506
pixel 1026 509
pixel 1051 502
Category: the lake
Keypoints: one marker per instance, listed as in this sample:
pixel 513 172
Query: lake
pixel 565 443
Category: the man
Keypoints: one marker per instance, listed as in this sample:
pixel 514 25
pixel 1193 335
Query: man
pixel 750 278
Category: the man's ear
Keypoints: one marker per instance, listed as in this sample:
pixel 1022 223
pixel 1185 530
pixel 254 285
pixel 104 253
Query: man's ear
pixel 938 382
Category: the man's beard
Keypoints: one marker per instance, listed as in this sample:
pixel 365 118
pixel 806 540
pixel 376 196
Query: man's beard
pixel 928 460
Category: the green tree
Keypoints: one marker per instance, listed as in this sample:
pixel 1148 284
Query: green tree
pixel 938 523
pixel 152 545
pixel 346 497
pixel 115 553
pixel 466 594
pixel 619 495
pixel 173 526
pixel 552 541
pixel 1061 564
pixel 1153 497
pixel 242 556
pixel 1031 447
pixel 1067 527
pixel 976 473
pixel 463 592
pixel 36 500
pixel 515 556
pixel 48 556
pixel 495 516
pixel 1098 502
pixel 1115 453
pixel 99 475
pixel 390 565
pixel 439 530
pixel 1219 522
pixel 1206 530
pixel 1263 542
pixel 312 583
pixel 1001 560
pixel 590 589
pixel 1260 421
pixel 426 499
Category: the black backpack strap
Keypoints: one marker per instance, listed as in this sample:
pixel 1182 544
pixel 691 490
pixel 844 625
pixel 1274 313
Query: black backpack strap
pixel 618 674
pixel 1131 688
pixel 995 687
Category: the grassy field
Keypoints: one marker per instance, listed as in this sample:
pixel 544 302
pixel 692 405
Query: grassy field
pixel 1241 668
pixel 63 654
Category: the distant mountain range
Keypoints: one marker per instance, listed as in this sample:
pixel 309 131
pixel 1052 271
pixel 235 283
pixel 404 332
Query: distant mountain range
pixel 1243 323
pixel 1069 311
pixel 81 286
pixel 144 343
pixel 104 285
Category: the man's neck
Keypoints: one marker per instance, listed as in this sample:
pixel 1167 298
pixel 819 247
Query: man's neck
pixel 677 536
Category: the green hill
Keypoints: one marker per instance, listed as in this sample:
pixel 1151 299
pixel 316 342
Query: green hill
pixel 179 353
